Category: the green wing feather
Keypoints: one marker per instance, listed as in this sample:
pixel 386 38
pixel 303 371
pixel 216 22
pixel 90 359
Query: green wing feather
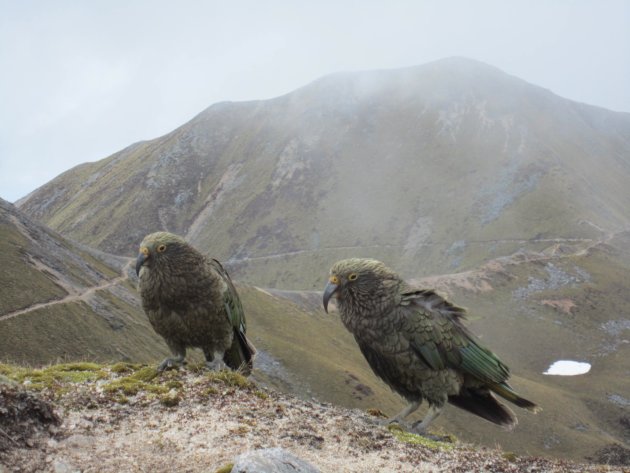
pixel 241 354
pixel 482 363
pixel 231 300
pixel 442 341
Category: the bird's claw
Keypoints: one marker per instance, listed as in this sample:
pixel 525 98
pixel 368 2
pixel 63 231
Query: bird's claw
pixel 415 429
pixel 171 363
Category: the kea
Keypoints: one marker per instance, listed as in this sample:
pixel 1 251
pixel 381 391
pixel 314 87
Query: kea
pixel 191 302
pixel 415 341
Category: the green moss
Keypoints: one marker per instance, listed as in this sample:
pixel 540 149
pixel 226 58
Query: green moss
pixel 509 456
pixel 78 367
pixel 55 376
pixel 261 394
pixel 196 366
pixel 121 399
pixel 211 391
pixel 225 468
pixel 415 439
pixel 170 399
pixel 145 374
pixel 131 387
pixel 136 382
pixel 174 384
pixel 125 385
pixel 230 378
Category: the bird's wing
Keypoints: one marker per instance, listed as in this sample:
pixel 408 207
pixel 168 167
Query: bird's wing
pixel 241 354
pixel 438 336
pixel 231 301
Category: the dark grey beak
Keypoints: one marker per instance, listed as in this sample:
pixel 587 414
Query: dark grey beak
pixel 142 257
pixel 329 290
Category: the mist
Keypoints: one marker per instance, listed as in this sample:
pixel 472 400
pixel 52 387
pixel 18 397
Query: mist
pixel 82 81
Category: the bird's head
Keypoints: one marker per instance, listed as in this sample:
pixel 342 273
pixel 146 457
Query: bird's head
pixel 157 249
pixel 357 277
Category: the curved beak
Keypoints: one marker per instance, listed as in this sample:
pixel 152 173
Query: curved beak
pixel 140 260
pixel 329 290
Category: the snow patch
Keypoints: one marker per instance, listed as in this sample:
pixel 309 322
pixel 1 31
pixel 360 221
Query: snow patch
pixel 568 368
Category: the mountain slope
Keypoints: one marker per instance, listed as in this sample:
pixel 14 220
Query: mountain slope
pixel 433 168
pixel 61 300
pixel 532 308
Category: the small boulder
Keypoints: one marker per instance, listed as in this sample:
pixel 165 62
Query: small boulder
pixel 271 460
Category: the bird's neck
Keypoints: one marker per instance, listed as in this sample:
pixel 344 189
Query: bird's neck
pixel 361 310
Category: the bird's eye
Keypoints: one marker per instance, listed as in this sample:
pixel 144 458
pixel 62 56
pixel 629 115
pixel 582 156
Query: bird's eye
pixel 334 279
pixel 161 248
pixel 353 276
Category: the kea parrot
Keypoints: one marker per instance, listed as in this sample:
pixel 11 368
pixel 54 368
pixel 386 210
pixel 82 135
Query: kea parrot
pixel 415 341
pixel 191 302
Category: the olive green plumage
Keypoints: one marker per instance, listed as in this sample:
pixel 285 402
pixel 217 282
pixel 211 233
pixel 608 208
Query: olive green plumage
pixel 416 342
pixel 191 302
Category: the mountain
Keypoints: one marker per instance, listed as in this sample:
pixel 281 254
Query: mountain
pixel 508 198
pixel 433 168
pixel 61 300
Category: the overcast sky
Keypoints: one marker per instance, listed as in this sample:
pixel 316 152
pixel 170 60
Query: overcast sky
pixel 80 80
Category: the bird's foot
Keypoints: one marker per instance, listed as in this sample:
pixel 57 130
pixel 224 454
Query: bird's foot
pixel 392 422
pixel 418 430
pixel 216 365
pixel 171 364
pixel 378 417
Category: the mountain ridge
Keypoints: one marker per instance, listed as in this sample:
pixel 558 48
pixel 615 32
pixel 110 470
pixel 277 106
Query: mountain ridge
pixel 246 180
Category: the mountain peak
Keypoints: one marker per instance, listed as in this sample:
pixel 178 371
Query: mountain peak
pixel 253 181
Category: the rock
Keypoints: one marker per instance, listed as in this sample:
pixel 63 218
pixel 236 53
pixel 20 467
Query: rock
pixel 5 380
pixel 271 460
pixel 60 466
pixel 22 415
pixel 79 441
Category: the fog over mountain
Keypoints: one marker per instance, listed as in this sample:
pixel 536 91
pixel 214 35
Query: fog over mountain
pixel 432 168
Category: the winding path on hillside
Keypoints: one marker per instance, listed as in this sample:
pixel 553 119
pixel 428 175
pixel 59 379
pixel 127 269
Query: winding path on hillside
pixel 463 279
pixel 556 242
pixel 75 293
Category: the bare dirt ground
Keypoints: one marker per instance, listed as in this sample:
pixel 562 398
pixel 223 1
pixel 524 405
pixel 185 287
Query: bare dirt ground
pixel 199 423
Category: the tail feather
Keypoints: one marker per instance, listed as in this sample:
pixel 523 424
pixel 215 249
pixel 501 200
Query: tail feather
pixel 506 392
pixel 240 356
pixel 485 405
